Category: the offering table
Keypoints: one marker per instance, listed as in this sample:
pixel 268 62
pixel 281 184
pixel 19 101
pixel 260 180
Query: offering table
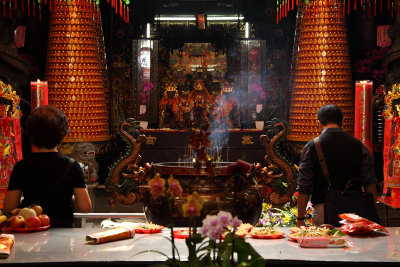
pixel 68 246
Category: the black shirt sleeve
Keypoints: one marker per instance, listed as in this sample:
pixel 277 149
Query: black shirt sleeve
pixel 78 180
pixel 16 178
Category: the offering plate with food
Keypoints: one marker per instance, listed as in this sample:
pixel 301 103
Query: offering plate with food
pixel 181 234
pixel 148 228
pixel 25 220
pixel 266 233
pixel 241 231
pixel 317 237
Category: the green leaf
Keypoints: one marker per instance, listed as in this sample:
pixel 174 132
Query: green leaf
pixel 337 232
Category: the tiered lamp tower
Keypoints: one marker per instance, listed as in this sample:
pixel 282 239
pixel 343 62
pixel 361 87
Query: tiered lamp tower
pixel 75 70
pixel 322 70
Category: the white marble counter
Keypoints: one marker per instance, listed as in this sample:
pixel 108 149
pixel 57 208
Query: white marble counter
pixel 65 246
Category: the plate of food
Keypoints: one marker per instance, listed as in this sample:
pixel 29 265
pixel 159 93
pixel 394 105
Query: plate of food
pixel 241 231
pixel 315 231
pixel 148 228
pixel 266 233
pixel 180 234
pixel 244 227
pixel 24 229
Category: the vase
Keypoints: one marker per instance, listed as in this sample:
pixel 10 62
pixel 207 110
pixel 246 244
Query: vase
pixel 259 125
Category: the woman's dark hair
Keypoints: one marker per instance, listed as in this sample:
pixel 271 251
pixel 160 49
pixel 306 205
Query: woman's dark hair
pixel 46 126
pixel 330 114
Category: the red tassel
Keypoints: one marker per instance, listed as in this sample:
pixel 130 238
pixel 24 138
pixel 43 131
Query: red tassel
pixel 9 8
pixel 4 10
pixel 292 4
pixel 45 2
pixel 355 4
pixel 388 7
pixel 50 5
pixel 348 7
pixel 344 8
pixel 16 4
pixel 392 10
pixel 297 2
pixel 286 8
pixel 22 6
pixel 277 15
pixel 34 8
pixel 116 6
pixel 128 13
pixel 40 13
pixel 120 8
pixel 369 9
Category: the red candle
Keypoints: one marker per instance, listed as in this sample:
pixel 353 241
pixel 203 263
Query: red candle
pixel 363 113
pixel 39 94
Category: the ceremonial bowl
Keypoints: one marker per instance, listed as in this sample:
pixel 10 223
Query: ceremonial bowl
pixel 218 193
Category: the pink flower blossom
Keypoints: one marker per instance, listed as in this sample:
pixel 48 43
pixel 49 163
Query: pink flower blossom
pixel 215 225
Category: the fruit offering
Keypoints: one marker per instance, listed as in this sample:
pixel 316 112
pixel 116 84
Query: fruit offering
pixel 28 217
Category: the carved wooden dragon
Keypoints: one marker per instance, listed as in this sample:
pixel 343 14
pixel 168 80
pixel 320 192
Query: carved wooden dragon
pixel 279 170
pixel 125 175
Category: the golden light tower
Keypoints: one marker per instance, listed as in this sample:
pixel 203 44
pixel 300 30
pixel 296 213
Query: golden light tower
pixel 322 72
pixel 75 70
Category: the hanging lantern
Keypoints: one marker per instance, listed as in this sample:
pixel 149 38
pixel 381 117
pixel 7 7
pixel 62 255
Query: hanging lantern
pixel 322 72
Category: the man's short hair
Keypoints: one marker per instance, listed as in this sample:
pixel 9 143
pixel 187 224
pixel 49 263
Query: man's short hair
pixel 330 114
pixel 46 126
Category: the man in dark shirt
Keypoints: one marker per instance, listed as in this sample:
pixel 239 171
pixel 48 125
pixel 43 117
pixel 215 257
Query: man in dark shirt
pixel 346 158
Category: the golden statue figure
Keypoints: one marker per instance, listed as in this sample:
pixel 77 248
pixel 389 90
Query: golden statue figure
pixel 226 112
pixel 168 107
pixel 201 103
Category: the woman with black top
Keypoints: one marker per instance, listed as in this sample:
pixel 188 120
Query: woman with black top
pixel 47 177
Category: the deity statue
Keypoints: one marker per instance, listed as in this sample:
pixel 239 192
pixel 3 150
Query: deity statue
pixel 201 103
pixel 226 111
pixel 184 111
pixel 168 107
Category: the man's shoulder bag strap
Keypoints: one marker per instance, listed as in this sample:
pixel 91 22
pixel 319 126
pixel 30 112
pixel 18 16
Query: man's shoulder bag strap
pixel 322 160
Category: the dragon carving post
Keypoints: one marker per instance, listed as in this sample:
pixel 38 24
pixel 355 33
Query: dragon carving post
pixel 125 175
pixel 278 171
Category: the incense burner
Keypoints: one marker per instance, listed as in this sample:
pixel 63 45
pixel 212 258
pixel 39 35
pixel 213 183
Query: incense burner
pixel 242 195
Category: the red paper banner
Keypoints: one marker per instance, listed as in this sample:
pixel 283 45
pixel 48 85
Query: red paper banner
pixel 386 153
pixel 363 113
pixel 17 138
